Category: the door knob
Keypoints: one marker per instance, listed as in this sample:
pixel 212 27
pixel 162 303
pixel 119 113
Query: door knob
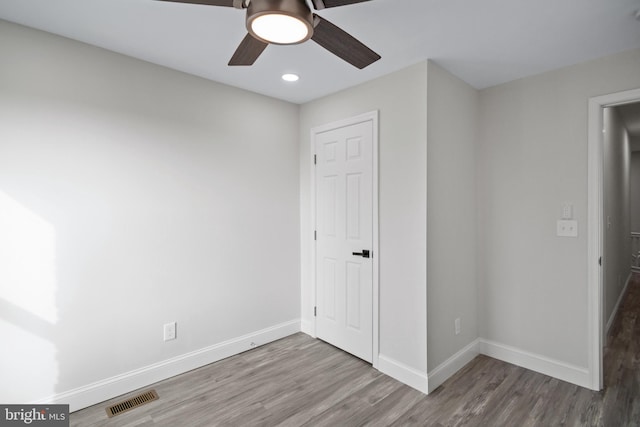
pixel 364 254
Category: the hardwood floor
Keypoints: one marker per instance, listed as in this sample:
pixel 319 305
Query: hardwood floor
pixel 299 381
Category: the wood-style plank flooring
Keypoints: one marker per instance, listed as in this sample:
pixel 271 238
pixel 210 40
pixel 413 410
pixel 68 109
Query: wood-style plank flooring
pixel 298 381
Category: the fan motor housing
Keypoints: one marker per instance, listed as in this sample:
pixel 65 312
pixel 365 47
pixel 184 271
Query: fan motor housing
pixel 294 8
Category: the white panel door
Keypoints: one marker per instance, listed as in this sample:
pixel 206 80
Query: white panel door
pixel 344 226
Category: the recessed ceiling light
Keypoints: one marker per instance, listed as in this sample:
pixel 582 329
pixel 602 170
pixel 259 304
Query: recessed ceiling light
pixel 290 77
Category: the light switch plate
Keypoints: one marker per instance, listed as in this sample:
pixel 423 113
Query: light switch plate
pixel 567 228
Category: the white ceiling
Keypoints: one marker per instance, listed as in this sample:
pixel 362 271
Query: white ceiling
pixel 484 42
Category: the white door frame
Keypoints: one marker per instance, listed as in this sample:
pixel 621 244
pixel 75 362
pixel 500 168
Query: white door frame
pixel 595 213
pixel 373 117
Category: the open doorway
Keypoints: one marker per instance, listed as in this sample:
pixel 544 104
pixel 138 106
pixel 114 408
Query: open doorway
pixel 621 223
pixel 609 227
pixel 629 114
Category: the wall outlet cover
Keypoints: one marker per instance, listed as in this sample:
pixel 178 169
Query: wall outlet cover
pixel 170 331
pixel 567 228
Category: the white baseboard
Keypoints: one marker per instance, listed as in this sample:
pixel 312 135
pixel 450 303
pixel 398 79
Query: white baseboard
pixel 109 388
pixel 617 306
pixel 307 327
pixel 452 365
pixel 535 362
pixel 403 373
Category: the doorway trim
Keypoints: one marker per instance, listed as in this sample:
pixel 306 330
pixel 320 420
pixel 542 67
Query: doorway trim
pixel 595 214
pixel 373 117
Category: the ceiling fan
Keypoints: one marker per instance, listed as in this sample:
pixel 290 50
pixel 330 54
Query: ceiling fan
pixel 291 22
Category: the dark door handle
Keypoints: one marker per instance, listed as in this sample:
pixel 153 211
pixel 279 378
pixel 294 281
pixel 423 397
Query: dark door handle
pixel 364 254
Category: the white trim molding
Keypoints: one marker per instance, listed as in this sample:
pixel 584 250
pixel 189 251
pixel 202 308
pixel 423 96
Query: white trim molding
pixel 109 388
pixel 453 364
pixel 403 373
pixel 535 362
pixel 308 327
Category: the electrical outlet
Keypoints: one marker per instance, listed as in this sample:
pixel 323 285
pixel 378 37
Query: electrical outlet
pixel 170 331
pixel 457 326
pixel 567 228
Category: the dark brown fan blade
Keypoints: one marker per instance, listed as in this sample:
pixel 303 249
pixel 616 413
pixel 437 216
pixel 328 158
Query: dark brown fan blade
pixel 323 4
pixel 342 44
pixel 226 3
pixel 249 50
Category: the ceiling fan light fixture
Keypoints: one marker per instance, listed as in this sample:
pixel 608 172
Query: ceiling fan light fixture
pixel 280 21
pixel 280 29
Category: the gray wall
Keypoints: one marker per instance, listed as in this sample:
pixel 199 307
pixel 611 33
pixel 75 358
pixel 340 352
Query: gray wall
pixel 401 98
pixel 617 244
pixel 452 133
pixel 532 158
pixel 132 195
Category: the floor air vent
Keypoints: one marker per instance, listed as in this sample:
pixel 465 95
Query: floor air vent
pixel 132 403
